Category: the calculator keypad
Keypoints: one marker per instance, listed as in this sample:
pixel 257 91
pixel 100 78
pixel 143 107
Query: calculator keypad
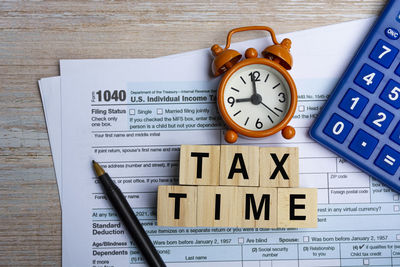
pixel 338 128
pixel 379 119
pixel 395 136
pixel 363 144
pixel 384 53
pixel 388 160
pixel 353 103
pixel 391 94
pixel 368 78
pixel 361 120
pixel 397 71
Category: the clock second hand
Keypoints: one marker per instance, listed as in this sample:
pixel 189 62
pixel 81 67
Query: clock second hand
pixel 269 109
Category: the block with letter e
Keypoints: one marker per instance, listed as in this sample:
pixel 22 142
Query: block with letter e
pixel 297 207
pixel 176 205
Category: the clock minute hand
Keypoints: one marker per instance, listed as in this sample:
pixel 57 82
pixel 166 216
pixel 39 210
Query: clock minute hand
pixel 243 100
pixel 253 81
pixel 269 109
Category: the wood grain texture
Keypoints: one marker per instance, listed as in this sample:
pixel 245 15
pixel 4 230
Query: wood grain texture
pixel 34 35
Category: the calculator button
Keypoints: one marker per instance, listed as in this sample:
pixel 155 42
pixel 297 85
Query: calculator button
pixel 363 144
pixel 395 136
pixel 368 78
pixel 391 94
pixel 384 53
pixel 392 33
pixel 338 128
pixel 379 119
pixel 397 71
pixel 353 103
pixel 388 160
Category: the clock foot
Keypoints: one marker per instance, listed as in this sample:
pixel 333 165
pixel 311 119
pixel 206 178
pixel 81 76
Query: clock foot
pixel 231 136
pixel 288 132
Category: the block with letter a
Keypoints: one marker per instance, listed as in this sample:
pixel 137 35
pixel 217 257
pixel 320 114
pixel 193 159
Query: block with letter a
pixel 239 165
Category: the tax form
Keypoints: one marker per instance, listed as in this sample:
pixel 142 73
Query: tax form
pixel 136 137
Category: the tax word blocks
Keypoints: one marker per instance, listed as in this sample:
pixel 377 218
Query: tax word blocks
pixel 237 186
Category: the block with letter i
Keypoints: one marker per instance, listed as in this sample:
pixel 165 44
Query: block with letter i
pixel 176 205
pixel 239 165
pixel 199 165
pixel 216 206
pixel 279 167
pixel 297 207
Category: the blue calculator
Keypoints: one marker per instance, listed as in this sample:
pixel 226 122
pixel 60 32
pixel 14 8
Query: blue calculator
pixel 361 120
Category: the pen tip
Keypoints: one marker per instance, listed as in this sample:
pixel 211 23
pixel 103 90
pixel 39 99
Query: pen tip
pixel 97 168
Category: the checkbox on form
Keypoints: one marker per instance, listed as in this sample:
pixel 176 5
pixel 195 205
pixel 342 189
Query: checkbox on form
pixel 131 112
pixel 302 108
pixel 160 111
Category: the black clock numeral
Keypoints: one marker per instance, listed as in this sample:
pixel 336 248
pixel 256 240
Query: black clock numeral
pixel 282 97
pixel 259 124
pixel 231 100
pixel 243 80
pixel 247 120
pixel 255 75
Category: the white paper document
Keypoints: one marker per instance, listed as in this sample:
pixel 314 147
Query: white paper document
pixel 132 115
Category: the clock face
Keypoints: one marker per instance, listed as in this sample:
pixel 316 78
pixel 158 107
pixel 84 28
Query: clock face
pixel 257 97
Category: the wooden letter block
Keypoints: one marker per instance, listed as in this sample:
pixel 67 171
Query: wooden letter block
pixel 176 205
pixel 279 167
pixel 217 206
pixel 258 207
pixel 297 207
pixel 199 165
pixel 239 166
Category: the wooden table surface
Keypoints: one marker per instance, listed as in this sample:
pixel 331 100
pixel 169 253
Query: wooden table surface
pixel 34 35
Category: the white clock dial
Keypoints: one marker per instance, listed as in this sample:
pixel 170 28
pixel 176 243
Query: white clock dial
pixel 260 103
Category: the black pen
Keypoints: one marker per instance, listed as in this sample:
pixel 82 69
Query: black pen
pixel 128 218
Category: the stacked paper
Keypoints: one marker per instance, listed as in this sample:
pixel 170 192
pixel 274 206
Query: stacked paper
pixel 99 109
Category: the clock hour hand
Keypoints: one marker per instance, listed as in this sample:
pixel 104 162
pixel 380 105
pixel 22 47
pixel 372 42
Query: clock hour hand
pixel 243 100
pixel 269 109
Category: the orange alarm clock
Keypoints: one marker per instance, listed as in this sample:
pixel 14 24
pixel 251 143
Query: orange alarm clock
pixel 257 97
